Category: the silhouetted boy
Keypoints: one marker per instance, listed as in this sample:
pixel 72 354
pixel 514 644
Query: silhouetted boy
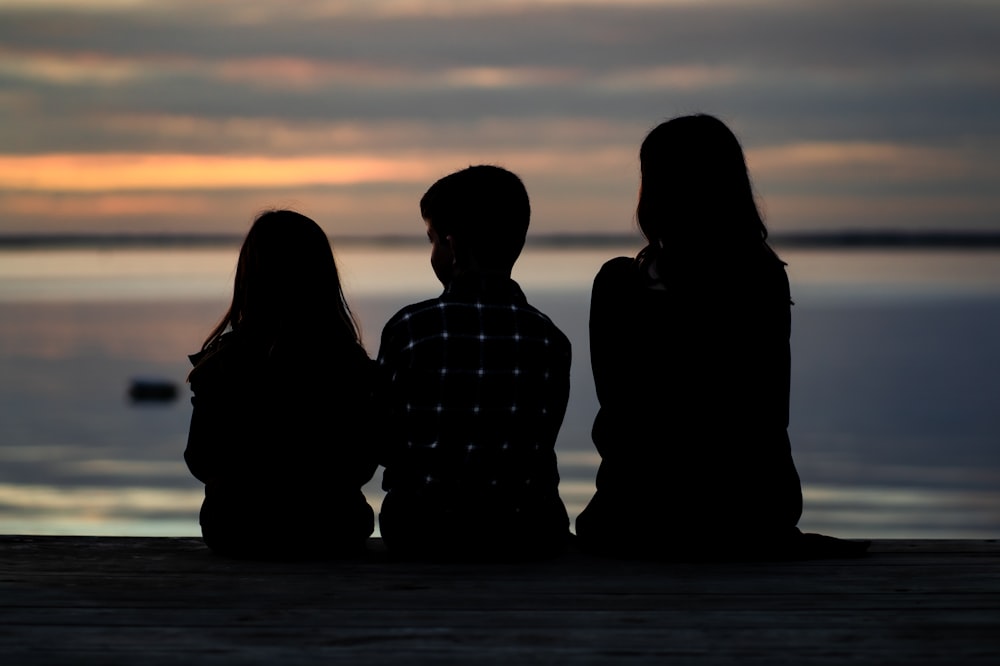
pixel 474 386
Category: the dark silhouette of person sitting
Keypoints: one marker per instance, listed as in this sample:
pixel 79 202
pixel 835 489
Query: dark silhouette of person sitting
pixel 474 386
pixel 282 404
pixel 689 345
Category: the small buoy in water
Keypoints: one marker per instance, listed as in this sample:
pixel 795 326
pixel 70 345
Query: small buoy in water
pixel 152 390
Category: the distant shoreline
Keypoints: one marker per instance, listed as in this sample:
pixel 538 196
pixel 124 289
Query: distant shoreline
pixel 850 239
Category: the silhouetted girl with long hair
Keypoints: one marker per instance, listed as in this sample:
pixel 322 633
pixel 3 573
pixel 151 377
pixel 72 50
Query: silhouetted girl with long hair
pixel 689 346
pixel 282 404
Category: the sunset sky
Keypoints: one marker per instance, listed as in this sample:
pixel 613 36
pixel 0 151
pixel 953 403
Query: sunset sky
pixel 191 116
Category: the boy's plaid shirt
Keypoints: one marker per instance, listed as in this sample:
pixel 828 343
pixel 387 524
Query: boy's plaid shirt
pixel 474 386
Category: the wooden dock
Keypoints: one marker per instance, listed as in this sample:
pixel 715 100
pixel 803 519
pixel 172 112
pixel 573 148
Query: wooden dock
pixel 150 601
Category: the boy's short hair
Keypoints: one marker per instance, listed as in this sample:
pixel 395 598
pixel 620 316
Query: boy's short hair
pixel 485 208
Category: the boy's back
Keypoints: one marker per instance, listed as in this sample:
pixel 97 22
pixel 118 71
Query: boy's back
pixel 474 389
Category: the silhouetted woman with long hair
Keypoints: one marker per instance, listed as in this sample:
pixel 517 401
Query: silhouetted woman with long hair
pixel 689 346
pixel 282 404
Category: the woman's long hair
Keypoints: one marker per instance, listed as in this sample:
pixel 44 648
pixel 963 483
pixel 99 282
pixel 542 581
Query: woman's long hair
pixel 287 285
pixel 695 190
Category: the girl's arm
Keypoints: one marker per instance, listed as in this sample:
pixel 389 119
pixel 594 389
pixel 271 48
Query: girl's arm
pixel 205 435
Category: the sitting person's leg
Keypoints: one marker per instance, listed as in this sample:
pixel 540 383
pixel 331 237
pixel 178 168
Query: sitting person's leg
pixel 415 527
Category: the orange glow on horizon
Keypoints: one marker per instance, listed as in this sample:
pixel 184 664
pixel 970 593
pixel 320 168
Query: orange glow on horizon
pixel 846 160
pixel 117 172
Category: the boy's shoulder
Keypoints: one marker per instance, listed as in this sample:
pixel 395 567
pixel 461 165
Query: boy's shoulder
pixel 411 310
pixel 547 328
pixel 444 312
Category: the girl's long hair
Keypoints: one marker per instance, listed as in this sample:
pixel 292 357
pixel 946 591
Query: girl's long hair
pixel 695 190
pixel 287 285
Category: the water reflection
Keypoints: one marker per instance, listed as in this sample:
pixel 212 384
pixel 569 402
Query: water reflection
pixel 845 511
pixel 86 510
pixel 894 423
pixel 913 512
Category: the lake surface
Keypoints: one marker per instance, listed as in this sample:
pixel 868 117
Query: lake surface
pixel 895 422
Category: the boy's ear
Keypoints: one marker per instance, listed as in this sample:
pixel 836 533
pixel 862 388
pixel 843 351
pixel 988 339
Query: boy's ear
pixel 458 255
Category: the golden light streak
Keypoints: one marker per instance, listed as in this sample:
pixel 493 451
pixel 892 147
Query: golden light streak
pixel 277 136
pixel 829 209
pixel 173 172
pixel 98 206
pixel 850 160
pixel 117 172
pixel 93 5
pixel 438 8
pixel 290 73
pixel 306 73
pixel 80 68
pixel 680 77
pixel 509 77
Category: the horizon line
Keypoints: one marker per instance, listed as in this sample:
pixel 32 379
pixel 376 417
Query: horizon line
pixel 849 238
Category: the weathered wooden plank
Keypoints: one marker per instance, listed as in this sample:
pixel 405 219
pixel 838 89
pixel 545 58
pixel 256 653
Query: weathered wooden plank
pixel 94 600
pixel 715 638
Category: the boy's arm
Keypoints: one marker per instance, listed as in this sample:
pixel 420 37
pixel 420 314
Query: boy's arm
pixel 559 395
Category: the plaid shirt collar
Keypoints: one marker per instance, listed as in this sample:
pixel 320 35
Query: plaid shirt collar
pixel 475 287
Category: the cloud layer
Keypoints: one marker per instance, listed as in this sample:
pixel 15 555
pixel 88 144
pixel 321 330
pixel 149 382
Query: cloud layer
pixel 147 116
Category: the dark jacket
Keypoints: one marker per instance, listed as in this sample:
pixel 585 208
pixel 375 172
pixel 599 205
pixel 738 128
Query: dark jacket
pixel 279 436
pixel 692 375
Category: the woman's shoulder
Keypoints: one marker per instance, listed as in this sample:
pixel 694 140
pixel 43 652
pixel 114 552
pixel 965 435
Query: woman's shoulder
pixel 219 357
pixel 617 269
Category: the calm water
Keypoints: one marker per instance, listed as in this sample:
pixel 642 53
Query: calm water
pixel 895 390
